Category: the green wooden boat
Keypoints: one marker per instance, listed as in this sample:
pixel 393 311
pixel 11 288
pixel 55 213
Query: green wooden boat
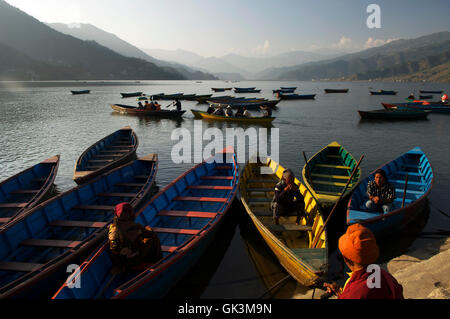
pixel 327 172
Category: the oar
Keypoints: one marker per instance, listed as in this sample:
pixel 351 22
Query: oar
pixel 316 239
pixel 404 191
pixel 170 105
pixel 307 167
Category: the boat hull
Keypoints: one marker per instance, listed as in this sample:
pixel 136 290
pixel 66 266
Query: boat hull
pixel 249 120
pixel 127 109
pixel 394 115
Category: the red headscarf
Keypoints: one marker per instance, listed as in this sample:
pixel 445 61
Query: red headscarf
pixel 124 211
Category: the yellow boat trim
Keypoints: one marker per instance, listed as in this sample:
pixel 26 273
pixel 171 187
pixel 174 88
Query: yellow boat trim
pixel 315 181
pixel 333 166
pixel 330 176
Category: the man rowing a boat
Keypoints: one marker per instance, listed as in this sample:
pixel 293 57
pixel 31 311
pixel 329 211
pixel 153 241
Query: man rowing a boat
pixel 130 243
pixel 287 198
pixel 359 249
pixel 381 193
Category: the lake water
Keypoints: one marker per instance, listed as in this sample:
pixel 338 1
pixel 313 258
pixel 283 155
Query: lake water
pixel 42 119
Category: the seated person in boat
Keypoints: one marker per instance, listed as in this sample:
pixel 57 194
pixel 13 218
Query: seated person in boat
pixel 381 193
pixel 148 106
pixel 177 104
pixel 157 106
pixel 229 111
pixel 140 106
pixel 210 109
pixel 239 112
pixel 130 243
pixel 287 198
pixel 267 111
pixel 246 113
pixel 359 249
pixel 444 98
pixel 411 96
pixel 219 111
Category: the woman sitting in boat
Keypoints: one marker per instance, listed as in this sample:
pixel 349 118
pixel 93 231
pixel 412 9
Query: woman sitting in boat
pixel 359 249
pixel 130 243
pixel 267 111
pixel 239 112
pixel 246 113
pixel 229 111
pixel 210 109
pixel 219 111
pixel 381 193
pixel 287 198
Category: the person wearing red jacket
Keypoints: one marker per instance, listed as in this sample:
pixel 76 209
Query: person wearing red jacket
pixel 359 248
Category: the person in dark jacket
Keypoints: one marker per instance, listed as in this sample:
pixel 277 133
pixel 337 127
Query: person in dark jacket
pixel 359 249
pixel 287 198
pixel 177 104
pixel 210 109
pixel 130 243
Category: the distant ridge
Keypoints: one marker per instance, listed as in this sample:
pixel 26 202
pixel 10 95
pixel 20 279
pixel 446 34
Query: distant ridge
pixel 71 57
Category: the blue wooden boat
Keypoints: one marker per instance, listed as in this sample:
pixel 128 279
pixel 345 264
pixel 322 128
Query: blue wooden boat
pixel 427 106
pixel 186 215
pixel 430 92
pixel 37 247
pixel 420 181
pixel 166 97
pixel 26 189
pixel 336 90
pixel 291 90
pixel 110 152
pixel 250 90
pixel 296 96
pixel 288 88
pixel 80 92
pixel 383 92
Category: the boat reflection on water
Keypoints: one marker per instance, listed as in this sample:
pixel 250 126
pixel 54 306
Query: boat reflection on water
pixel 277 282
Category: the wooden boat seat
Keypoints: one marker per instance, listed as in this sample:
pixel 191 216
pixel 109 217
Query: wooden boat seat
pixel 176 231
pixel 409 182
pixel 107 156
pixel 214 177
pixel 334 156
pixel 201 199
pixel 141 177
pixel 210 187
pixel 51 243
pixel 134 185
pixel 328 193
pixel 288 227
pixel 25 191
pixel 77 224
pixel 93 168
pixel 101 161
pixel 114 151
pixel 181 213
pixel 409 173
pixel 261 189
pixel 315 181
pixel 131 195
pixel 333 166
pixel 400 191
pixel 168 249
pixel 260 200
pixel 330 176
pixel 224 167
pixel 264 181
pixel 94 207
pixel 12 205
pixel 19 266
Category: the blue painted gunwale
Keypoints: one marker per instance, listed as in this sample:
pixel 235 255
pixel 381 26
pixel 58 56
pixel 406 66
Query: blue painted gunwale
pixel 39 177
pixel 420 183
pixel 157 279
pixel 35 224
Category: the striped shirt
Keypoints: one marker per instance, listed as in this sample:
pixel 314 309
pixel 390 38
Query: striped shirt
pixel 387 191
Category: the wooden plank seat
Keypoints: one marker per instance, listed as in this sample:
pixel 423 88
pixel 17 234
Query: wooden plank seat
pixel 25 191
pixel 51 243
pixel 315 181
pixel 4 220
pixel 400 191
pixel 409 182
pixel 19 266
pixel 108 155
pixel 201 199
pixel 288 227
pixel 223 168
pixel 214 177
pixel 262 189
pixel 333 166
pixel 12 205
pixel 113 151
pixel 100 161
pixel 334 156
pixel 168 249
pixel 141 177
pixel 93 168
pixel 130 184
pixel 259 200
pixel 409 173
pixel 130 195
pixel 264 181
pixel 181 213
pixel 328 193
pixel 176 231
pixel 77 224
pixel 94 207
pixel 330 176
pixel 210 187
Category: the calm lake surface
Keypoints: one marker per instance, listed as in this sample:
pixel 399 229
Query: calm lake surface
pixel 42 119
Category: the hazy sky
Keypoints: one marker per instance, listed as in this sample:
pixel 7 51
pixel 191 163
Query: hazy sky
pixel 247 27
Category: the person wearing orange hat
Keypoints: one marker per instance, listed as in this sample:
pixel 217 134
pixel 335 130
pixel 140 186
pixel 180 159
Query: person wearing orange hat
pixel 444 98
pixel 130 243
pixel 359 249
